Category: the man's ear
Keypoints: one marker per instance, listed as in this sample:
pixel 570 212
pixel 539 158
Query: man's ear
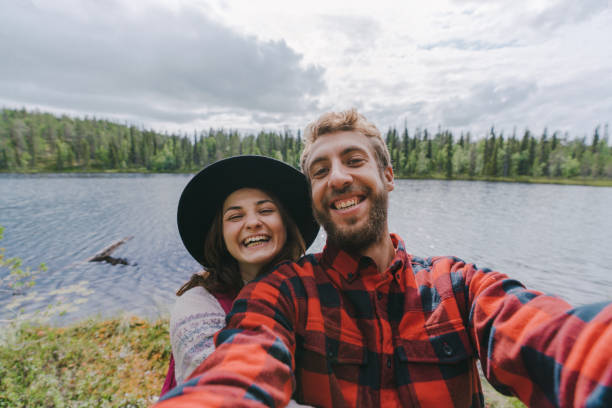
pixel 388 178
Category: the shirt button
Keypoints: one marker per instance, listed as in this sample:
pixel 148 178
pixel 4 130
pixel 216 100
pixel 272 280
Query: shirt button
pixel 388 362
pixel 447 349
pixel 379 296
pixel 330 354
pixel 350 276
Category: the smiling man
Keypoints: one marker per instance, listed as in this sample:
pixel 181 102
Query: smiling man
pixel 349 190
pixel 364 323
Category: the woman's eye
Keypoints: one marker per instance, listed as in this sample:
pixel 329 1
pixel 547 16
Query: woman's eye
pixel 234 217
pixel 266 211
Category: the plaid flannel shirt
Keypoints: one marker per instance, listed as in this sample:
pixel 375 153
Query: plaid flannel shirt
pixel 336 332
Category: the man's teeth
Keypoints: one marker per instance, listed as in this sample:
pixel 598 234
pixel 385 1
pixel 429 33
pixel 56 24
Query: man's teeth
pixel 341 205
pixel 255 240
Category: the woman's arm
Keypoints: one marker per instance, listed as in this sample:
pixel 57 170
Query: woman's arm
pixel 195 318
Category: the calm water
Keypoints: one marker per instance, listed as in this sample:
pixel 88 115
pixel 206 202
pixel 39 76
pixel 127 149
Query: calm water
pixel 553 238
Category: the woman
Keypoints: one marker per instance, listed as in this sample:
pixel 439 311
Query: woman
pixel 238 218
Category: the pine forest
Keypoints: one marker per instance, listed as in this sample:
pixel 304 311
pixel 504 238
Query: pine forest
pixel 42 142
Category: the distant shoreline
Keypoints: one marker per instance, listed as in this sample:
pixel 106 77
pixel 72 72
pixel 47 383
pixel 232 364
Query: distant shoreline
pixel 581 181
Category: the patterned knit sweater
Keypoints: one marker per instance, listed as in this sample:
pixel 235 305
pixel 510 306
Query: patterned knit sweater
pixel 194 319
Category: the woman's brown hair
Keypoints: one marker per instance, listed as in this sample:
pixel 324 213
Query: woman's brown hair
pixel 223 274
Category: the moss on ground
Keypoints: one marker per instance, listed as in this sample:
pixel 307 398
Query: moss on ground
pixel 120 362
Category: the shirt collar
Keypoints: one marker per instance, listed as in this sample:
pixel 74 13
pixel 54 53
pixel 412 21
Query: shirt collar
pixel 351 266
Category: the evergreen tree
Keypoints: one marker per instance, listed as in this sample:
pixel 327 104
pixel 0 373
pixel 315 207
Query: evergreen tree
pixel 595 143
pixel 449 156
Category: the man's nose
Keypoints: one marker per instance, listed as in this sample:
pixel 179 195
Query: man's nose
pixel 339 177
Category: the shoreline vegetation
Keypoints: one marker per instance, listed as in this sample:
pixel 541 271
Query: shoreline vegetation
pixel 35 142
pixel 580 181
pixel 116 362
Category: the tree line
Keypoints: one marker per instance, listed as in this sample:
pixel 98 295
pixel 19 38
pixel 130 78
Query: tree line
pixel 42 142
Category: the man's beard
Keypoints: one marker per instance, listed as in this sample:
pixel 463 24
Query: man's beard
pixel 355 240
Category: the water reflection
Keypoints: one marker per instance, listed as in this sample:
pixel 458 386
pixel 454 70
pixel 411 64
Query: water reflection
pixel 552 238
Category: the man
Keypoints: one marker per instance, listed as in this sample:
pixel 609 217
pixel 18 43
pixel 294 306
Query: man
pixel 366 324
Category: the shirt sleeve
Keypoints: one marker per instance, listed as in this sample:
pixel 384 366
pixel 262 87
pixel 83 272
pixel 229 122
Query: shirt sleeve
pixel 535 346
pixel 194 319
pixel 253 362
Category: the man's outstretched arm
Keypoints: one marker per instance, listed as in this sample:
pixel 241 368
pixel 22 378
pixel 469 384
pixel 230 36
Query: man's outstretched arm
pixel 253 363
pixel 538 347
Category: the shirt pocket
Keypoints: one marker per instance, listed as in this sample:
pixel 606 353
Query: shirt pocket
pixel 335 347
pixel 445 342
pixel 325 360
pixel 440 365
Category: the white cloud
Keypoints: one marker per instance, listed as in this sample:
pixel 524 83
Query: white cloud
pixel 156 64
pixel 245 65
pixel 484 101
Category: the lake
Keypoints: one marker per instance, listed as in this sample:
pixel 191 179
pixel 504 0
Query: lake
pixel 553 238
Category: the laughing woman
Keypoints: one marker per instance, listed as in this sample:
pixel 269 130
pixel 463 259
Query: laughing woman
pixel 238 218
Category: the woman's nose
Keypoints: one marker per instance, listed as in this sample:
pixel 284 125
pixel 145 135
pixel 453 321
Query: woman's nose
pixel 252 220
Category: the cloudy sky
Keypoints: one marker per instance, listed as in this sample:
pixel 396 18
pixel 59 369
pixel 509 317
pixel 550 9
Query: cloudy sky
pixel 251 65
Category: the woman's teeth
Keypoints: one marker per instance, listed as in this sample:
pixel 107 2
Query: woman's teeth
pixel 255 240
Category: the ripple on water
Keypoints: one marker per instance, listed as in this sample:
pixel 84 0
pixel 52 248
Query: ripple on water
pixel 545 236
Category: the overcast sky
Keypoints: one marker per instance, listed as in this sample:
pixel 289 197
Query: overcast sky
pixel 251 65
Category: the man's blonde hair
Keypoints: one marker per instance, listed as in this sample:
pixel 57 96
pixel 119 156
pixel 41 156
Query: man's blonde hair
pixel 348 120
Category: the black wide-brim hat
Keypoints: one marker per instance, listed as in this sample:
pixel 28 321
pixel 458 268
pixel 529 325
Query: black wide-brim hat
pixel 206 192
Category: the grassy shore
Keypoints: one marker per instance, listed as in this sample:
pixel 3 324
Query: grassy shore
pixel 119 362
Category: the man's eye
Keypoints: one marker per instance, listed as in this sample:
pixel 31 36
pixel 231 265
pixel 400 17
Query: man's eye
pixel 355 161
pixel 320 172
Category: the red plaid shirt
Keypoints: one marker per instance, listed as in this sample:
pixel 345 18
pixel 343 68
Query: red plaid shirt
pixel 336 332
